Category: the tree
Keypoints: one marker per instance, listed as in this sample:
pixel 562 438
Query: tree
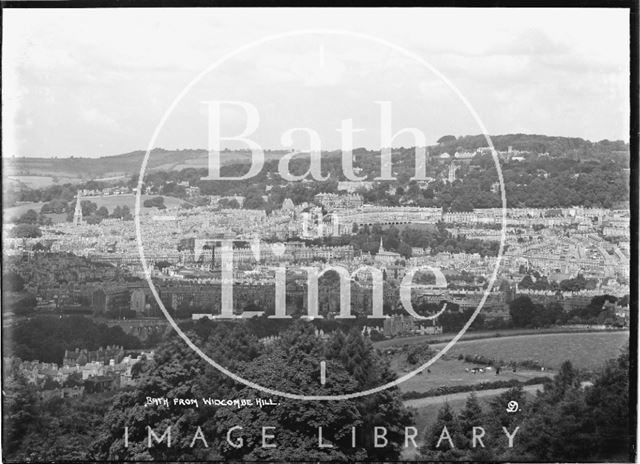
pixel 30 217
pixel 608 401
pixel 229 203
pixel 88 208
pixel 254 201
pixel 26 231
pixel 522 311
pixel 102 212
pixel 446 139
pixel 160 265
pixel 12 282
pixel 438 441
pixel 46 338
pixel 573 285
pixel 126 214
pixel 155 202
pixel 290 364
pixel 117 212
pixel 296 422
pixel 18 411
pixel 24 305
pixel 56 206
pixel 472 416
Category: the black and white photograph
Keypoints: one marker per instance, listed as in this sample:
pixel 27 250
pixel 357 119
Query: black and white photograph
pixel 315 234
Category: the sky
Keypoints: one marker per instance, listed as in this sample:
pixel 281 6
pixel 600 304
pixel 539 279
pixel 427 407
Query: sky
pixel 96 82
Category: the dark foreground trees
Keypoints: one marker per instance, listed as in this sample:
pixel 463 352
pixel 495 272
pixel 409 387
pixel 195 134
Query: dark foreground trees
pixel 290 364
pixel 567 421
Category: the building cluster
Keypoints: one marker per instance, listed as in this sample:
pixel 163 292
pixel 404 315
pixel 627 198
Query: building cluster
pixel 106 192
pixel 333 201
pixel 399 326
pixel 98 266
pixel 82 372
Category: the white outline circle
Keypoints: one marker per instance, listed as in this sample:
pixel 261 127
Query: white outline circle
pixel 147 270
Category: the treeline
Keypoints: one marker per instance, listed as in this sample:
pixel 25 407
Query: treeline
pixel 65 192
pixel 536 281
pixel 452 389
pixel 91 214
pixel 524 313
pixel 565 422
pixel 46 338
pixel 534 143
pixel 527 314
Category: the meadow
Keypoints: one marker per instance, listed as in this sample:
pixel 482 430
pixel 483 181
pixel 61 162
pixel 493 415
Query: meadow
pixel 587 350
pixel 35 182
pixel 472 335
pixel 451 372
pixel 110 202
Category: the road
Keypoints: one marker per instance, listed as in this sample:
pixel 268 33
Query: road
pixel 421 402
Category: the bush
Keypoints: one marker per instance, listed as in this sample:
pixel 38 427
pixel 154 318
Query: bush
pixel 412 395
pixel 155 202
pixel 26 231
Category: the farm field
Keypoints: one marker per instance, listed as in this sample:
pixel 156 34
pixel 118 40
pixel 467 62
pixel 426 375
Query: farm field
pixel 585 350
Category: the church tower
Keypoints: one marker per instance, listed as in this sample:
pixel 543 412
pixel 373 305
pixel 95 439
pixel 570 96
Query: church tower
pixel 77 215
pixel 452 173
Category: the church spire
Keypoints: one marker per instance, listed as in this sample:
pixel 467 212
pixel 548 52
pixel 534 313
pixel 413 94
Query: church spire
pixel 77 215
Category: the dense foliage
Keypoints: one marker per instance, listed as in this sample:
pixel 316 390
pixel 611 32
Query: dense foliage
pixel 291 364
pixel 526 313
pixel 565 422
pixel 46 338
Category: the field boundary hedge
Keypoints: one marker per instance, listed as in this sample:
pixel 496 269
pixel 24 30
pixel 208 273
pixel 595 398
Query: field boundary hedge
pixel 439 391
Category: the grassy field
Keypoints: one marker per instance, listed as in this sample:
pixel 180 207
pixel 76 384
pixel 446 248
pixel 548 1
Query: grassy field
pixel 35 182
pixel 472 335
pixel 451 372
pixel 110 202
pixel 584 350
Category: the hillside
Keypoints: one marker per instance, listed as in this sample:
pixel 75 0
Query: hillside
pixel 40 172
pixel 110 202
pixel 572 147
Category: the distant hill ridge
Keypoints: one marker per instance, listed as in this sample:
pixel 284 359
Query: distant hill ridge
pixel 79 168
